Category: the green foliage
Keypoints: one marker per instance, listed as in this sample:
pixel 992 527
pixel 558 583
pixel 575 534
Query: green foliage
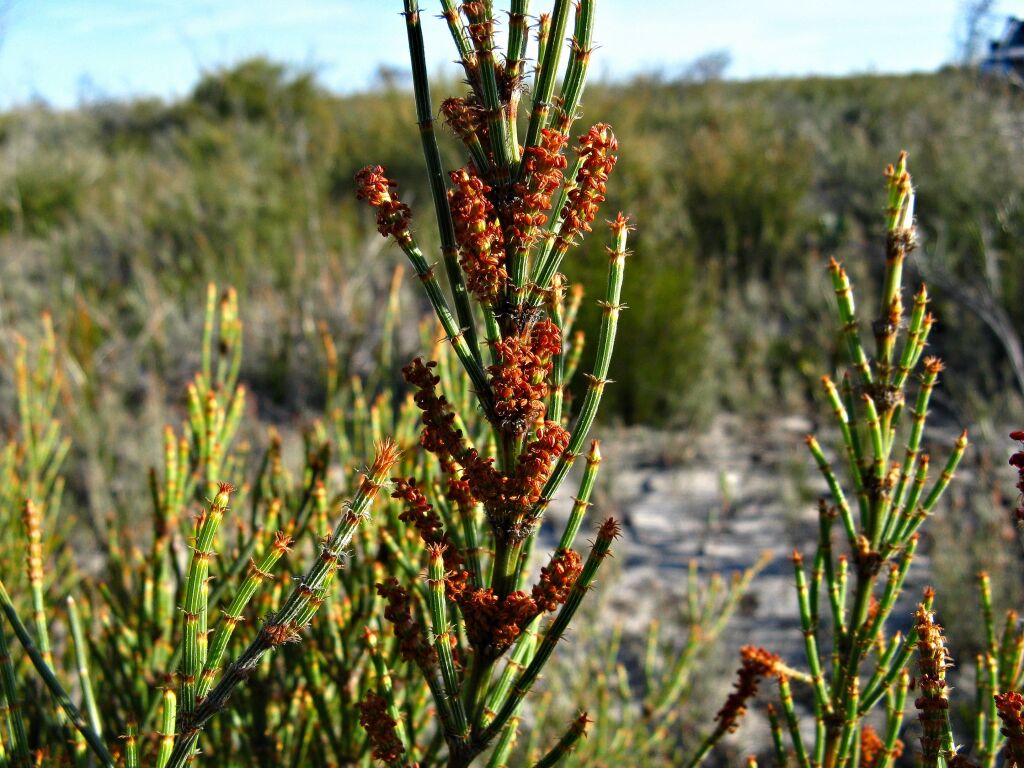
pixel 110 215
pixel 742 187
pixel 192 631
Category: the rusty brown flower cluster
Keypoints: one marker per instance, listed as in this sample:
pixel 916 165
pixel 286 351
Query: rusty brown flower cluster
pixel 439 435
pixel 479 236
pixel 380 728
pixel 872 749
pixel 1010 706
pixel 540 176
pixel 597 150
pixel 493 623
pixel 461 117
pixel 393 216
pixel 557 579
pixel 509 498
pixel 519 375
pixel 412 646
pixel 755 664
pixel 420 513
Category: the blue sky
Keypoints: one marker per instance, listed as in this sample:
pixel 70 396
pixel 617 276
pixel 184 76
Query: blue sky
pixel 62 50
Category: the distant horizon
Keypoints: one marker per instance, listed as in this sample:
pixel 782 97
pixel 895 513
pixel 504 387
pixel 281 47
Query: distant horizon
pixel 64 52
pixel 93 98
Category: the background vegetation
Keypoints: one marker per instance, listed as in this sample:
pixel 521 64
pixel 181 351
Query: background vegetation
pixel 113 213
pixel 113 216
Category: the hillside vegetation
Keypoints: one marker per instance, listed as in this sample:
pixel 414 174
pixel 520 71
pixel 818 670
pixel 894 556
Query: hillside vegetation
pixel 111 215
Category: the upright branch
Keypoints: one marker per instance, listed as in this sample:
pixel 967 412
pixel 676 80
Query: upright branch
pixel 515 214
pixel 933 703
pixel 880 507
pixel 285 625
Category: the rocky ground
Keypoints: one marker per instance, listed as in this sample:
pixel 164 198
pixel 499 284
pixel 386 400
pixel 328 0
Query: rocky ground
pixel 720 499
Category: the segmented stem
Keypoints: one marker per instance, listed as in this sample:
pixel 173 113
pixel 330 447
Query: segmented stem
pixel 92 739
pixel 438 189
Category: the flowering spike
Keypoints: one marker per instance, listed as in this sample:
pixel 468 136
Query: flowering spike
pixel 393 216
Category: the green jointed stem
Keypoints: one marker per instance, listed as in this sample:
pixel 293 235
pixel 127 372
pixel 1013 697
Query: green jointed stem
pixel 468 517
pixel 556 311
pixel 518 36
pixel 611 308
pixel 233 615
pixel 194 605
pixel 609 531
pixel 45 671
pixel 914 331
pixel 900 196
pixel 543 38
pixel 470 361
pixel 922 340
pixel 918 418
pixel 908 508
pixel 451 15
pixel 849 404
pixel 894 718
pixel 503 747
pixel 576 70
pixel 883 678
pixel 521 655
pixel 281 627
pixel 438 189
pixel 893 587
pixel 792 723
pixel 778 742
pixel 991 739
pixel 852 448
pixel 15 721
pixel 167 726
pixel 581 503
pixel 1009 655
pixel 848 320
pixel 547 72
pixel 849 730
pixel 482 34
pixel 985 590
pixel 824 554
pixel 947 473
pixel 561 750
pixel 525 554
pixel 899 241
pixel 879 454
pixel 810 638
pixel 131 746
pixel 833 484
pixel 914 521
pixel 442 633
pixel 492 330
pixel 82 666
